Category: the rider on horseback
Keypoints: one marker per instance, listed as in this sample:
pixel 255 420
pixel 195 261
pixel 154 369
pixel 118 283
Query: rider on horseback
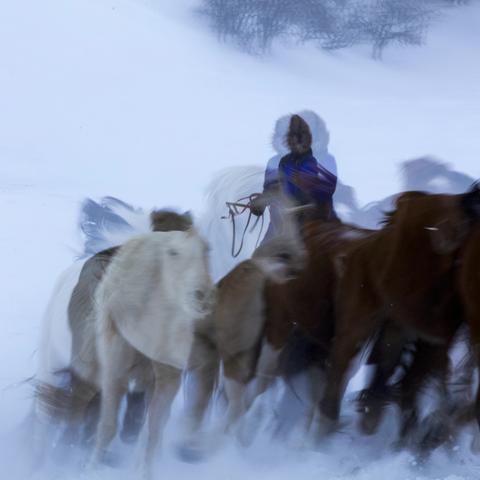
pixel 307 177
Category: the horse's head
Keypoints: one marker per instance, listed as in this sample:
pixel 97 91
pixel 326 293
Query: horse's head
pixel 281 258
pixel 185 261
pixel 444 219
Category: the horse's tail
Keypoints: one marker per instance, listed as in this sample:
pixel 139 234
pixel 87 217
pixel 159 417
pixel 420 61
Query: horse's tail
pixel 110 222
pixel 55 337
pixel 61 402
pixel 53 401
pixel 228 185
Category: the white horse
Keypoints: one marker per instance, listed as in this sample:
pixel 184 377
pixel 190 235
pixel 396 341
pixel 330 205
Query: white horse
pixel 111 223
pixel 153 292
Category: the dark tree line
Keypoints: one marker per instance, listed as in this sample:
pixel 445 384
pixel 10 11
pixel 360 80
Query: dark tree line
pixel 331 24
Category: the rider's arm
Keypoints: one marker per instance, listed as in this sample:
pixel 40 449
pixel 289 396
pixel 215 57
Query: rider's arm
pixel 317 180
pixel 270 185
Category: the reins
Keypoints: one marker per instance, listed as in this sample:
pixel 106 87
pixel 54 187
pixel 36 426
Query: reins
pixel 238 208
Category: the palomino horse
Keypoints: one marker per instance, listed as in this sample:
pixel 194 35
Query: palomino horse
pixel 233 333
pixel 153 292
pixel 406 273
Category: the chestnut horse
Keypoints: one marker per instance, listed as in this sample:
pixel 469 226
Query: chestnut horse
pixel 469 286
pixel 403 272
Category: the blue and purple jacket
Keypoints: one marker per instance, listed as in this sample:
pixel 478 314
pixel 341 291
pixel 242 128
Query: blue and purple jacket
pixel 304 178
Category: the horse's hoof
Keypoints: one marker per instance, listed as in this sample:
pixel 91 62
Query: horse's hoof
pixel 322 427
pixel 475 445
pixel 368 424
pixel 433 432
pixel 111 460
pixel 190 454
pixel 107 459
pixel 128 436
pixel 399 445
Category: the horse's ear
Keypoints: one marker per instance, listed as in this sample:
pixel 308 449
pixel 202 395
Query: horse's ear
pixel 449 235
pixel 471 201
pixel 446 234
pixel 188 217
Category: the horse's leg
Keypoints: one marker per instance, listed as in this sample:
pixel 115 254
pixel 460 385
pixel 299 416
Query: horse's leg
pixel 203 370
pixel 316 381
pixel 92 416
pixel 116 359
pixel 296 413
pixel 473 316
pixel 113 390
pixel 385 358
pixel 136 410
pixel 81 394
pixel 265 374
pixel 238 371
pixel 354 327
pixel 266 369
pixel 166 384
pixel 134 416
pixel 430 362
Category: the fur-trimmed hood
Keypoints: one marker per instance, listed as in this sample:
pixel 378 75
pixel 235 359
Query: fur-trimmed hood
pixel 318 128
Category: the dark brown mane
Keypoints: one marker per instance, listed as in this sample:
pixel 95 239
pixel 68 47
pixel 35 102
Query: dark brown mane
pixel 388 218
pixel 389 215
pixel 168 220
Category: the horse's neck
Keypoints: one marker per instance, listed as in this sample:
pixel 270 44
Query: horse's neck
pixel 407 261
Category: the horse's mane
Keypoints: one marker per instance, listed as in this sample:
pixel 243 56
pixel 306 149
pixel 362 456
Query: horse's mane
pixel 387 217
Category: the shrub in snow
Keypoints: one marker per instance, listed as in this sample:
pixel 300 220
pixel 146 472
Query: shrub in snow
pixel 332 24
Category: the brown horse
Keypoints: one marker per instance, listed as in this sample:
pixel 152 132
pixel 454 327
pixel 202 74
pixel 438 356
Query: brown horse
pixel 300 314
pixel 430 361
pixel 256 316
pixel 469 286
pixel 403 272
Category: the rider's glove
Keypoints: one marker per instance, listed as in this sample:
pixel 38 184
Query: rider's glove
pixel 257 205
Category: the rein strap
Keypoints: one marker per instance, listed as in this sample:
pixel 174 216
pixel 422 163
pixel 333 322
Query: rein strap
pixel 238 208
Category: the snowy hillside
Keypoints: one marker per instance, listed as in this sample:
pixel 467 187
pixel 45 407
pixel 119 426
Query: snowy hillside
pixel 136 98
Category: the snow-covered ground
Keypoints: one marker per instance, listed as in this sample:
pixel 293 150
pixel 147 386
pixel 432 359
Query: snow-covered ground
pixel 135 98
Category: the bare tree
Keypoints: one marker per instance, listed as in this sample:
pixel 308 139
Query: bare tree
pixel 384 22
pixel 333 24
